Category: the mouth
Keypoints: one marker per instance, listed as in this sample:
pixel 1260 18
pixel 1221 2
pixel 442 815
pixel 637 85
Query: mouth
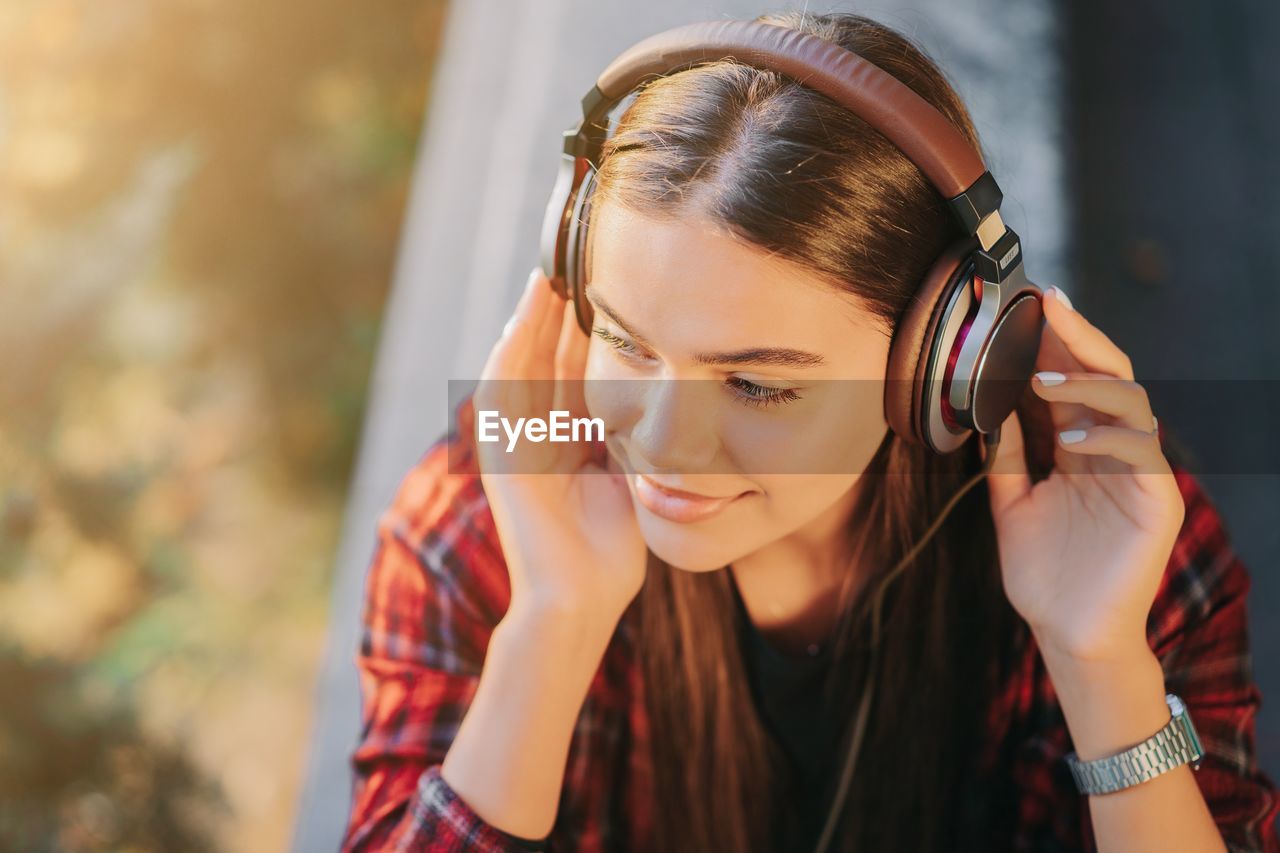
pixel 676 504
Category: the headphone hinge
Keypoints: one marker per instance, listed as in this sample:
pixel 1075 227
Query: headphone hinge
pixel 998 262
pixel 975 204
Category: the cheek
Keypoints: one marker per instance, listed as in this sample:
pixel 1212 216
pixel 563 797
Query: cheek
pixel 790 503
pixel 599 365
pixel 606 363
pixel 608 394
pixel 794 499
pixel 836 431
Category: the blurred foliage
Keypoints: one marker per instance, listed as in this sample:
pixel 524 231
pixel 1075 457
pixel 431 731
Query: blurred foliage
pixel 79 774
pixel 199 208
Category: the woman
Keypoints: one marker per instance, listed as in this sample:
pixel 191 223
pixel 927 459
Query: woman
pixel 583 662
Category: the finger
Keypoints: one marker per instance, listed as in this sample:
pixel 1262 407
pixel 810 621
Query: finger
pixel 549 318
pixel 1122 399
pixel 568 392
pixel 1054 354
pixel 1095 351
pixel 522 304
pixel 1008 480
pixel 536 328
pixel 508 358
pixel 504 381
pixel 1140 449
pixel 541 318
pixel 571 364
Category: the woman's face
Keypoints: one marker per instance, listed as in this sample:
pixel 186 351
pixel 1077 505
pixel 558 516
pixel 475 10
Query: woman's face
pixel 711 324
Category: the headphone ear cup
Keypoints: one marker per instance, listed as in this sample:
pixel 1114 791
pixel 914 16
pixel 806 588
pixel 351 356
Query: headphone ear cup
pixel 909 400
pixel 555 223
pixel 577 251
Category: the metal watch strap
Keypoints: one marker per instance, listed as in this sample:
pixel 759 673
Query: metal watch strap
pixel 1174 745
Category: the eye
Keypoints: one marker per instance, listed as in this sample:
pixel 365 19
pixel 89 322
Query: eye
pixel 761 396
pixel 623 346
pixel 749 393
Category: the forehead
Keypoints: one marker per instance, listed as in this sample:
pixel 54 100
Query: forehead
pixel 688 285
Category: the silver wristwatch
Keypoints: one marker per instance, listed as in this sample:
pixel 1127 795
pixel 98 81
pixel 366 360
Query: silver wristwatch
pixel 1174 745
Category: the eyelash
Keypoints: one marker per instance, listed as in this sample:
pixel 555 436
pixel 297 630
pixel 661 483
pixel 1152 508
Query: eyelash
pixel 749 393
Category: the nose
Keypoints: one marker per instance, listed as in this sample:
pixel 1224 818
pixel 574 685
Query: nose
pixel 676 433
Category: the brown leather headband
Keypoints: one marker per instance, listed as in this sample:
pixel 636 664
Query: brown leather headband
pixel 886 103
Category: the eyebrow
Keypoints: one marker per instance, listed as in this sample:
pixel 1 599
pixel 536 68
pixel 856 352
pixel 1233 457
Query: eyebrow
pixel 772 356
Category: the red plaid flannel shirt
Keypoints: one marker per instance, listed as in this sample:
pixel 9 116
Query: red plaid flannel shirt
pixel 438 585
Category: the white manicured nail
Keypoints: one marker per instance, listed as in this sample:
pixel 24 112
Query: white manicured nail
pixel 1051 377
pixel 1058 292
pixel 1071 436
pixel 522 301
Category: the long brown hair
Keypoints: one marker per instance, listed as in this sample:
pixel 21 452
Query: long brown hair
pixel 713 140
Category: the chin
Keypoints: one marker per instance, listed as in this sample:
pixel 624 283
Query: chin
pixel 687 550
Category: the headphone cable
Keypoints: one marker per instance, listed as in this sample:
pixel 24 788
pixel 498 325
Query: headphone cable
pixel 992 442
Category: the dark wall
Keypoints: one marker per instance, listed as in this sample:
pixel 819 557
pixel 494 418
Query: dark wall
pixel 1174 113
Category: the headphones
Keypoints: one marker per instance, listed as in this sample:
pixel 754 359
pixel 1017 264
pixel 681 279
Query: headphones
pixel 966 346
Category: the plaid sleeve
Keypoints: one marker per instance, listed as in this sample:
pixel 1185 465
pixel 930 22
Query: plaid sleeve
pixel 434 591
pixel 1199 631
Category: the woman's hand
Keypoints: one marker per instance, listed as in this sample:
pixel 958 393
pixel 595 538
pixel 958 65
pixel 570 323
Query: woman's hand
pixel 562 509
pixel 1083 551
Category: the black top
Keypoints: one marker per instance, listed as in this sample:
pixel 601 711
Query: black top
pixel 788 696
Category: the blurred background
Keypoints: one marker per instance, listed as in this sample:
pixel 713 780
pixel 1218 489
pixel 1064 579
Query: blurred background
pixel 199 208
pixel 244 246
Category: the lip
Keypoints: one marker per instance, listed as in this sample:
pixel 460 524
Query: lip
pixel 675 505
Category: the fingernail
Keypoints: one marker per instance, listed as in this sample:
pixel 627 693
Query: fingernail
pixel 1058 292
pixel 522 302
pixel 528 289
pixel 1071 436
pixel 531 282
pixel 1051 377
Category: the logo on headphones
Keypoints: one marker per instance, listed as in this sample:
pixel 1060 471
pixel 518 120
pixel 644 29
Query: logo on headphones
pixel 1009 256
